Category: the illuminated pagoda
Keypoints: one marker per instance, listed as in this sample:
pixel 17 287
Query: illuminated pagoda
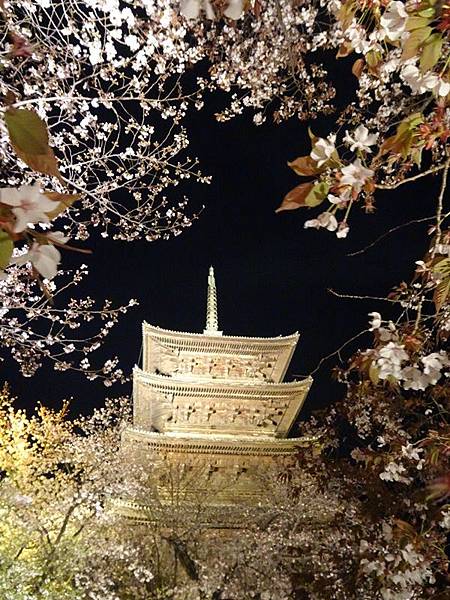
pixel 217 402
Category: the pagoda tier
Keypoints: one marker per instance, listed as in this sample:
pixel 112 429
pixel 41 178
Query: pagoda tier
pixel 199 355
pixel 241 407
pixel 228 470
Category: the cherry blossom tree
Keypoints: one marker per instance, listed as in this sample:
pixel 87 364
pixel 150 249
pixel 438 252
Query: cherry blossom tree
pixel 63 534
pixel 91 137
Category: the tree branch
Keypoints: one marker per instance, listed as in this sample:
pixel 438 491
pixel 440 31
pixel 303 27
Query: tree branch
pixel 393 186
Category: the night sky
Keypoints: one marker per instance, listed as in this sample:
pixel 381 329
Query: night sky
pixel 272 275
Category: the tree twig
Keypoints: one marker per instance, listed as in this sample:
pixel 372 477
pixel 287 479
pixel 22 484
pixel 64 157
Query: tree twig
pixel 386 233
pixel 393 186
pixel 440 205
pixel 334 353
pixel 357 297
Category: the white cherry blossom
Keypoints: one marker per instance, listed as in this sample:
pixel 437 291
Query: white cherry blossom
pixel 234 9
pixel 28 205
pixel 435 361
pixel 376 321
pixel 325 220
pixel 342 230
pixel 391 356
pixel 44 258
pixel 442 87
pixel 393 472
pixel 357 37
pixel 58 237
pixel 340 200
pixel 323 150
pixel 412 452
pixel 355 175
pixel 421 83
pixel 414 379
pixel 191 9
pixel 393 20
pixel 361 139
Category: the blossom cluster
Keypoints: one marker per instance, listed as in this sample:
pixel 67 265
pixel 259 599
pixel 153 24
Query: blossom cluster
pixel 400 53
pixel 90 137
pixel 37 328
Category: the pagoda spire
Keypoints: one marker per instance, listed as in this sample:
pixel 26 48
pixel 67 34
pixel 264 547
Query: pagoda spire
pixel 212 322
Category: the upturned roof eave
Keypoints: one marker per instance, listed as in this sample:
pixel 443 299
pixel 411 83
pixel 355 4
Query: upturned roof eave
pixel 147 327
pixel 231 384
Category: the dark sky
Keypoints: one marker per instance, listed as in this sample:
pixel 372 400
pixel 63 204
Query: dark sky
pixel 272 275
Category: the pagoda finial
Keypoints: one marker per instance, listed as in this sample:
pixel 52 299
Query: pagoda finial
pixel 212 323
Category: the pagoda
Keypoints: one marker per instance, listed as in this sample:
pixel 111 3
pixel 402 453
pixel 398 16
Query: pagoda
pixel 215 403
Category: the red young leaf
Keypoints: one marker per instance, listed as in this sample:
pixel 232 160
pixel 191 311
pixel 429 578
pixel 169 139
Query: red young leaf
pixel 296 197
pixel 305 166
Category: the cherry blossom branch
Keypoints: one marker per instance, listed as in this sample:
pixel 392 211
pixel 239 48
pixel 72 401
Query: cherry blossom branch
pixel 397 228
pixel 393 186
pixel 439 210
pixel 357 297
pixel 335 353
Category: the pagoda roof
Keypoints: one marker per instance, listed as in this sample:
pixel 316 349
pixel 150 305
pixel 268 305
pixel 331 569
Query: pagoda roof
pixel 156 331
pixel 271 353
pixel 210 443
pixel 237 386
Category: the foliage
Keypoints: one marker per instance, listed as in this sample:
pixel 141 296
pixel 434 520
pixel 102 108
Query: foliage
pixel 326 534
pixel 58 538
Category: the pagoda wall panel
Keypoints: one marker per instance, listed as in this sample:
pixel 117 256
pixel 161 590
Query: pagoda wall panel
pixel 211 357
pixel 168 404
pixel 221 470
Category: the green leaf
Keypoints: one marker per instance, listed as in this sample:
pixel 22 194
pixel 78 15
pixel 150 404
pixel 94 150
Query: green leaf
pixel 427 12
pixel 431 52
pixel 29 138
pixel 27 131
pixel 441 293
pixel 317 194
pixel 6 249
pixel 346 14
pixel 416 156
pixel 409 124
pixel 417 22
pixel 401 142
pixel 415 41
pixel 442 267
pixel 373 58
pixel 374 373
pixel 63 200
pixel 42 163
